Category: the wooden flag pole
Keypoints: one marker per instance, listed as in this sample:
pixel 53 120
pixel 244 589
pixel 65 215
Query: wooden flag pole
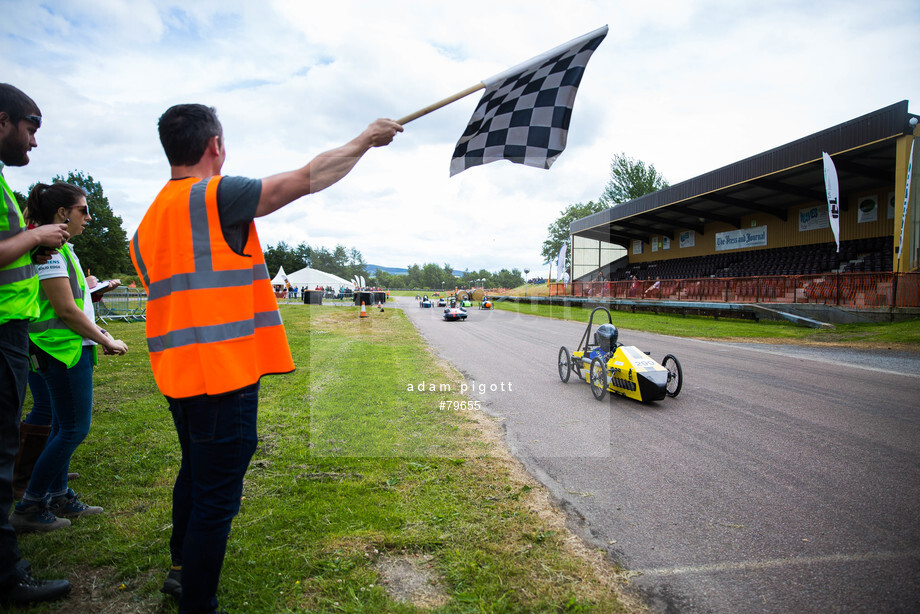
pixel 442 103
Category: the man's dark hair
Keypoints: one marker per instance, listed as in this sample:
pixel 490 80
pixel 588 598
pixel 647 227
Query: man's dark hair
pixel 185 130
pixel 16 104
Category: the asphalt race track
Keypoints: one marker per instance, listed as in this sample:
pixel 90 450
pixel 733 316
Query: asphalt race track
pixel 781 479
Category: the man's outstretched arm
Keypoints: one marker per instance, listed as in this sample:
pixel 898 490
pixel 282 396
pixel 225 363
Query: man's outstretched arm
pixel 325 169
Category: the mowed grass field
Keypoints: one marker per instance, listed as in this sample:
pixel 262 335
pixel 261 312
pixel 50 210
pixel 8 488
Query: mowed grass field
pixel 363 496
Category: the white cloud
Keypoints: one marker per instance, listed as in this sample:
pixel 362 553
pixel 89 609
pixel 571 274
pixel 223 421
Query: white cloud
pixel 688 86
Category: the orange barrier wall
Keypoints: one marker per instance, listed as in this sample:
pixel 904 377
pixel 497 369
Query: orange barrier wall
pixel 858 290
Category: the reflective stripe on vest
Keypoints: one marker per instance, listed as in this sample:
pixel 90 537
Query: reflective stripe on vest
pixel 213 333
pixel 213 324
pixel 51 333
pixel 18 285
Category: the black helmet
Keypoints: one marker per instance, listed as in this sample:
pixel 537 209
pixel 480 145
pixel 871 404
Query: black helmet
pixel 606 337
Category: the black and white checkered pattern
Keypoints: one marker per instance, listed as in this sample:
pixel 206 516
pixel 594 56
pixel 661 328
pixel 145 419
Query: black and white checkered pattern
pixel 524 114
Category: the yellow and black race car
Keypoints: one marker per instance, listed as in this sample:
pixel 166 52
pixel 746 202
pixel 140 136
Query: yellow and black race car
pixel 609 366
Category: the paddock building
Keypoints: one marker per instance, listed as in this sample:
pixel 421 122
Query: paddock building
pixel 759 230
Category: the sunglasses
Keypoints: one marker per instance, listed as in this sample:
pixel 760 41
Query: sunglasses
pixel 35 119
pixel 81 208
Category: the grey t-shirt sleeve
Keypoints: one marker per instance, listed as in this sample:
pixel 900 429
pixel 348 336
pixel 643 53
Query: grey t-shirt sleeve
pixel 237 199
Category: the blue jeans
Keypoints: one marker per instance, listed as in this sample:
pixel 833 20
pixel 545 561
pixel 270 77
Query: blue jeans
pixel 41 401
pixel 217 435
pixel 14 365
pixel 72 411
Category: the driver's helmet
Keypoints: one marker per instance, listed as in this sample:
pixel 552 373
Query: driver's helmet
pixel 606 337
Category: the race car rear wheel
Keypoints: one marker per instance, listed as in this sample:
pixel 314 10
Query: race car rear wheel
pixel 598 378
pixel 565 364
pixel 675 374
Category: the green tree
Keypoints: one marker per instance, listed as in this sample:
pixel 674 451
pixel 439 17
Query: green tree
pixel 508 279
pixel 383 279
pixel 103 246
pixel 274 257
pixel 471 279
pixel 414 276
pixel 355 264
pixel 324 260
pixel 397 281
pixel 303 256
pixel 283 255
pixel 629 179
pixel 432 276
pixel 559 229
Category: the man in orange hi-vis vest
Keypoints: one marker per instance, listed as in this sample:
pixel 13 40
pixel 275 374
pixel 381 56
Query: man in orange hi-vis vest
pixel 213 327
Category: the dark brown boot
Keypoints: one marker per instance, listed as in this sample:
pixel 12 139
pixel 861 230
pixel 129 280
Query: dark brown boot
pixel 32 439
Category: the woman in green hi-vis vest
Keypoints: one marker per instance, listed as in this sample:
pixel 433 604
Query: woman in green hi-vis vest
pixel 64 341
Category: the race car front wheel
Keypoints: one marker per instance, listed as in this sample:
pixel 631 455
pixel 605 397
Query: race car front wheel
pixel 598 378
pixel 675 374
pixel 565 364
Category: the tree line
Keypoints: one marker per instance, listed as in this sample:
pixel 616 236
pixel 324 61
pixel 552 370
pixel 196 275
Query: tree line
pixel 103 252
pixel 103 247
pixel 432 277
pixel 349 263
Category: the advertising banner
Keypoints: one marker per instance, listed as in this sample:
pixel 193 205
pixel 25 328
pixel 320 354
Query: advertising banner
pixel 833 194
pixel 867 209
pixel 813 218
pixel 910 169
pixel 737 239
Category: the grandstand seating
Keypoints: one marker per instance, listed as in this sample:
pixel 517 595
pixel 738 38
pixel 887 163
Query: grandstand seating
pixel 858 255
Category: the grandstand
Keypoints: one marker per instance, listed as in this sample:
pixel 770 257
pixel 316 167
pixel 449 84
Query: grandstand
pixel 765 219
pixel 872 254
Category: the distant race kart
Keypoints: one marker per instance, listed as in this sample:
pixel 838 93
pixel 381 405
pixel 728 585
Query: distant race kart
pixel 609 366
pixel 442 302
pixel 486 304
pixel 424 302
pixel 466 303
pixel 455 314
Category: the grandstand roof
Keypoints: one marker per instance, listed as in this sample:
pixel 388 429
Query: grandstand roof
pixel 863 150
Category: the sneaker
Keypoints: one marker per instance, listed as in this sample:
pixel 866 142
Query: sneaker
pixel 70 506
pixel 36 517
pixel 173 583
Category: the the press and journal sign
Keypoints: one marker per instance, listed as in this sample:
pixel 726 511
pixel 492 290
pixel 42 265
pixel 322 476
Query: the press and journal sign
pixel 737 239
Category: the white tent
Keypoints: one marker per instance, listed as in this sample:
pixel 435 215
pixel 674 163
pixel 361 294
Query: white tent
pixel 310 278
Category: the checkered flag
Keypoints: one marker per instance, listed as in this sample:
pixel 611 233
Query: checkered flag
pixel 525 112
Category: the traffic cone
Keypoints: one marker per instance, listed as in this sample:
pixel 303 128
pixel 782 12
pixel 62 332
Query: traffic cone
pixel 363 310
pixel 379 305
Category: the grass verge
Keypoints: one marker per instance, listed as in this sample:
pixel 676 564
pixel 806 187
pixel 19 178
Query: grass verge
pixel 363 496
pixel 895 335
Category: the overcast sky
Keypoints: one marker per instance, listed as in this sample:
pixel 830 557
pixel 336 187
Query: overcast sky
pixel 688 86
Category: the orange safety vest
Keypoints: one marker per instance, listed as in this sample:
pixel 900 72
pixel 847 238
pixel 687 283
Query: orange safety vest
pixel 213 324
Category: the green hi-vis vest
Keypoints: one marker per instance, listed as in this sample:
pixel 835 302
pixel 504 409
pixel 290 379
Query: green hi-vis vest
pixel 49 332
pixel 18 284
